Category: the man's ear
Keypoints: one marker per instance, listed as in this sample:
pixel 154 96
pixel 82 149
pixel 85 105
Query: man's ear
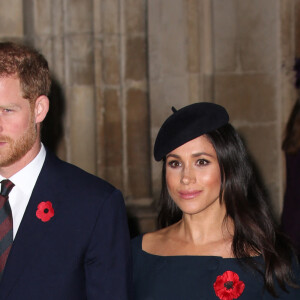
pixel 41 108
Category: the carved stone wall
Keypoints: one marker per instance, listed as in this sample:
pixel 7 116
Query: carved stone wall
pixel 180 60
pixel 253 75
pixel 119 65
pixel 238 53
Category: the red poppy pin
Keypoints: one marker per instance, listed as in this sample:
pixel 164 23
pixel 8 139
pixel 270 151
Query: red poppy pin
pixel 45 211
pixel 229 286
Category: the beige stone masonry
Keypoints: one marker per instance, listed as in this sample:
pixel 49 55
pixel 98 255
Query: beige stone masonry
pixel 119 65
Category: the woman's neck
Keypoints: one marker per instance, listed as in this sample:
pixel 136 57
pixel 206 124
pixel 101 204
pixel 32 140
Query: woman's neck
pixel 206 227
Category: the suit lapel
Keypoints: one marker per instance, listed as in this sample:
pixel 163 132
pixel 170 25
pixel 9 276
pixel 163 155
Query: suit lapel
pixel 32 230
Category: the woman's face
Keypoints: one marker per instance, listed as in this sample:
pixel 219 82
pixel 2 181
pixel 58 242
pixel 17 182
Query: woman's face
pixel 193 176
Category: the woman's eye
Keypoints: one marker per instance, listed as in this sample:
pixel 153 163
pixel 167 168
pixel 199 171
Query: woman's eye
pixel 174 164
pixel 202 162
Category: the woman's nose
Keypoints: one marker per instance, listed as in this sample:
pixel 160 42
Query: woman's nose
pixel 188 176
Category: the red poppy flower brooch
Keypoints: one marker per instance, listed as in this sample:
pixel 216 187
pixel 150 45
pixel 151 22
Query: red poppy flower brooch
pixel 229 286
pixel 45 211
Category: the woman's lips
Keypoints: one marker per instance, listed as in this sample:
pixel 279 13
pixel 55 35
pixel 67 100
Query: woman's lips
pixel 189 194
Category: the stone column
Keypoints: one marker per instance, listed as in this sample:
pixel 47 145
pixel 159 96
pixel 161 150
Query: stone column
pixel 180 61
pixel 63 31
pixel 252 70
pixel 118 67
pixel 97 52
pixel 238 53
pixel 10 11
pixel 80 80
pixel 136 113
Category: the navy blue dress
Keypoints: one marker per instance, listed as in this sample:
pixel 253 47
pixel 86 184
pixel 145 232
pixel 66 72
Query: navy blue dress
pixel 193 277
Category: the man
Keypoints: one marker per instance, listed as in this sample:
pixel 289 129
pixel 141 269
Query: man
pixel 69 234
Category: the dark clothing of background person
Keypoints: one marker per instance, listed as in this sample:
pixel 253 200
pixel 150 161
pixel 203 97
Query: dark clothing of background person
pixel 291 208
pixel 290 220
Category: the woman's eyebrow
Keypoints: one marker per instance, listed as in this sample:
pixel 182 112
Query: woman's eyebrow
pixel 193 155
pixel 202 153
pixel 173 155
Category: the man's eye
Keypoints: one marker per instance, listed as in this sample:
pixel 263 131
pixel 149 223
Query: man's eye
pixel 7 110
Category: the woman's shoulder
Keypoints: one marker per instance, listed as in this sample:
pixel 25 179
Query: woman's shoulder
pixel 153 240
pixel 147 239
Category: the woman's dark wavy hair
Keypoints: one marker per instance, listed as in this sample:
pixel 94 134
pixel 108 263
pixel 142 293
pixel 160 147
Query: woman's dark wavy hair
pixel 255 231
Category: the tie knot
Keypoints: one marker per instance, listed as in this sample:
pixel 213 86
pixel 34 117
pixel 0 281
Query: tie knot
pixel 6 187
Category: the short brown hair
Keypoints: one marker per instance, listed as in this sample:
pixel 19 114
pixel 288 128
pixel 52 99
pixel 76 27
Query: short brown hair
pixel 28 65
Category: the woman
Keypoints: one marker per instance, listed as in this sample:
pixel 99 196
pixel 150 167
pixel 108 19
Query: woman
pixel 218 240
pixel 291 147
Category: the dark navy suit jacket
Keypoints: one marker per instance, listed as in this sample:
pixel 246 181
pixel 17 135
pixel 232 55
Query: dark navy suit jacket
pixel 82 252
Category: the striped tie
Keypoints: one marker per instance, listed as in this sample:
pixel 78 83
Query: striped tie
pixel 6 223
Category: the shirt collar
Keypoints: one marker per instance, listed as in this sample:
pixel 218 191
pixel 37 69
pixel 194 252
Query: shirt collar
pixel 26 178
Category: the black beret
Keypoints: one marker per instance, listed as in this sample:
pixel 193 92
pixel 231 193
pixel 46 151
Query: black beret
pixel 186 124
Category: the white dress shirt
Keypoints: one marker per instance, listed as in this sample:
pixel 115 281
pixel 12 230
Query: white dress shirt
pixel 24 182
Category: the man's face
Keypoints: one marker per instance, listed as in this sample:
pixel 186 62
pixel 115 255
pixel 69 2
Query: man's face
pixel 18 132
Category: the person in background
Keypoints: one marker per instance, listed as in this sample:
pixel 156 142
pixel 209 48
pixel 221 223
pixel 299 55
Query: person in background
pixel 63 232
pixel 290 218
pixel 217 238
